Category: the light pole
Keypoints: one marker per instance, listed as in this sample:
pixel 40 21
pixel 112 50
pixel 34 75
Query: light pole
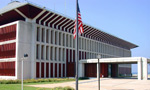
pixel 25 56
pixel 98 56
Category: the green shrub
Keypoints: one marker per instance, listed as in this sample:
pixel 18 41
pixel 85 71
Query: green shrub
pixel 61 88
pixel 58 88
pixel 83 78
pixel 35 80
pixel 68 88
pixel 10 81
pixel 41 89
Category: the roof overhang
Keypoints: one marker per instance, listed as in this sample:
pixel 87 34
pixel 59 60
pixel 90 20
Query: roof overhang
pixel 41 15
pixel 125 60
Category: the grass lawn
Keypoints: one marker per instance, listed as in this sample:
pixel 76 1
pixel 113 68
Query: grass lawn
pixel 15 87
pixel 18 86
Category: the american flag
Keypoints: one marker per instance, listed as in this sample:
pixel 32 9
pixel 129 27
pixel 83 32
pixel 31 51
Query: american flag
pixel 80 26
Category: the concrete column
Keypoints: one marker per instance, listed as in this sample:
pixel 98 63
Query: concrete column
pixel 39 52
pixel 40 32
pixel 40 70
pixel 44 69
pixel 97 70
pixel 33 51
pixel 68 40
pixel 61 39
pixel 139 69
pixel 145 69
pixel 44 53
pixel 64 55
pixel 49 36
pixel 62 69
pixel 65 64
pixel 49 70
pixel 50 53
pixel 61 56
pixel 54 70
pixel 57 70
pixel 45 35
pixel 81 70
pixel 57 56
pixel 53 58
pixel 57 39
pixel 65 40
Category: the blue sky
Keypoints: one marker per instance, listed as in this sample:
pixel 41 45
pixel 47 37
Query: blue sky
pixel 126 19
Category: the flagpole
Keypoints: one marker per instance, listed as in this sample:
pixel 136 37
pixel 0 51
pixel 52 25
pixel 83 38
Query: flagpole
pixel 77 49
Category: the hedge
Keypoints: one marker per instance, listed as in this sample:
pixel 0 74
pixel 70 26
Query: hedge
pixel 35 80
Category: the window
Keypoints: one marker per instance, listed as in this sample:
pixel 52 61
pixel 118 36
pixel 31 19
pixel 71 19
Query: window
pixel 82 44
pixel 60 54
pixel 51 53
pixel 63 56
pixel 79 43
pixel 73 43
pixel 55 54
pixel 47 53
pixel 52 35
pixel 38 34
pixel 43 34
pixel 70 40
pixel 42 52
pixel 63 40
pixel 60 38
pixel 47 36
pixel 67 40
pixel 88 45
pixel 37 51
pixel 56 39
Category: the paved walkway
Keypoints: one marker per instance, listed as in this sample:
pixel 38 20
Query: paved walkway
pixel 106 84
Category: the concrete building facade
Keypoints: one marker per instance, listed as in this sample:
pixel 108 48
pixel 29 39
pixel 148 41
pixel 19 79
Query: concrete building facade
pixel 47 37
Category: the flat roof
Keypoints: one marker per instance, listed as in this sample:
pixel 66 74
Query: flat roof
pixel 122 60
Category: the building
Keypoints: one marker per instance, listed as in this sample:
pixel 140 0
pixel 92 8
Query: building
pixel 47 37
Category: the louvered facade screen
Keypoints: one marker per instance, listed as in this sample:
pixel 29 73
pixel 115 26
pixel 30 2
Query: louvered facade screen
pixel 8 33
pixel 7 68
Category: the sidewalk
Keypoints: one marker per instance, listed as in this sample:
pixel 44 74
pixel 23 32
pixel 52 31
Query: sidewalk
pixel 105 84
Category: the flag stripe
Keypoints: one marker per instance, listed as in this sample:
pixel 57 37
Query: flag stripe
pixel 80 26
